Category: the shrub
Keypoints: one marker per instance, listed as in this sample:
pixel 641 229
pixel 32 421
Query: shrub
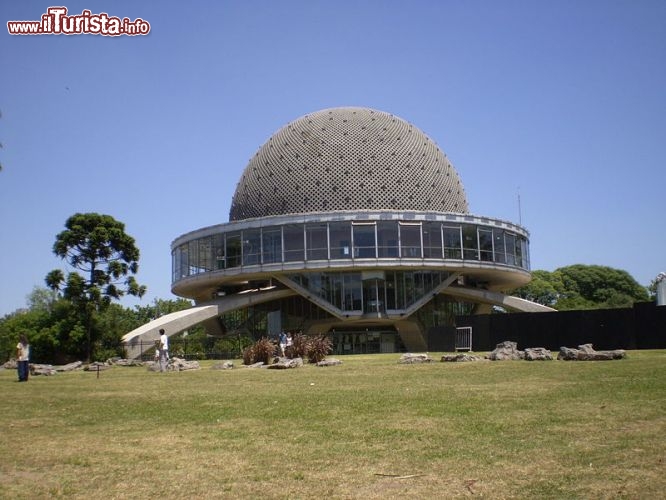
pixel 318 348
pixel 248 355
pixel 263 350
pixel 299 348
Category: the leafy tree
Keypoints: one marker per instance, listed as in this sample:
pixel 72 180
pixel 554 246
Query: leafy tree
pixel 97 246
pixel 583 287
pixel 545 289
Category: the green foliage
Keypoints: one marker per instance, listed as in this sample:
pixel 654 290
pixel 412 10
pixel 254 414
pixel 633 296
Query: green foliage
pixel 57 334
pixel 97 246
pixel 583 287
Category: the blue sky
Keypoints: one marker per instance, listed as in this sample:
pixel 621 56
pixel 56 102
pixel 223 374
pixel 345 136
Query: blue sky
pixel 562 103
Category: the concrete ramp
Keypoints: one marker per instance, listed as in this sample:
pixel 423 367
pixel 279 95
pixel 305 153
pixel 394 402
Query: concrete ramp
pixel 496 298
pixel 172 323
pixel 207 314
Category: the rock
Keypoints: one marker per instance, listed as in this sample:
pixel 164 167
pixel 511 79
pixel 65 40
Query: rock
pixel 174 365
pixel 124 362
pixel 226 365
pixel 12 364
pixel 506 350
pixel 38 369
pixel 284 363
pixel 96 366
pixel 538 354
pixel 329 362
pixel 586 352
pixel 409 358
pixel 453 358
pixel 70 367
pixel 180 365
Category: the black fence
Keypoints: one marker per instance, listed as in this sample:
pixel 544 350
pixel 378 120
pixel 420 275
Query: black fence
pixel 640 327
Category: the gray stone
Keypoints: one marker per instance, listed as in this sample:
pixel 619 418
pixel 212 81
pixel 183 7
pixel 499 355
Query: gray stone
pixel 124 362
pixel 329 362
pixel 461 357
pixel 586 352
pixel 180 365
pixel 39 369
pixel 538 354
pixel 506 350
pixel 285 363
pixel 96 366
pixel 226 365
pixel 410 358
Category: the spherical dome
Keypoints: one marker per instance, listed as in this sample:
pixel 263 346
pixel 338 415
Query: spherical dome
pixel 347 159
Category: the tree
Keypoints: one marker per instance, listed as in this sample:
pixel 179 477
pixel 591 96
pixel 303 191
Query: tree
pixel 97 246
pixel 583 287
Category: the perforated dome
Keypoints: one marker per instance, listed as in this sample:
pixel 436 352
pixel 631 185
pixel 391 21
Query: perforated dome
pixel 347 159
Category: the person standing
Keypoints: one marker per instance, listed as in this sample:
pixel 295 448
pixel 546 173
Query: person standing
pixel 23 356
pixel 289 345
pixel 282 342
pixel 164 350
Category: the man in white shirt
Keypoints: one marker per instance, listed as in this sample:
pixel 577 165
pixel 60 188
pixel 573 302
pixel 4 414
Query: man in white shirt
pixel 164 350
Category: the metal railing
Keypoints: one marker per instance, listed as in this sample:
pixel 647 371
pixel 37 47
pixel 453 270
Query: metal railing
pixel 464 338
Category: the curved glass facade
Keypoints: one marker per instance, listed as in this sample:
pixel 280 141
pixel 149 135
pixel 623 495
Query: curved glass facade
pixel 281 242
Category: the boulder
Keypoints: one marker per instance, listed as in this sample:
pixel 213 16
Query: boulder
pixel 285 363
pixel 39 369
pixel 70 367
pixel 223 365
pixel 329 362
pixel 96 366
pixel 586 352
pixel 461 357
pixel 538 354
pixel 506 350
pixel 410 358
pixel 181 365
pixel 124 362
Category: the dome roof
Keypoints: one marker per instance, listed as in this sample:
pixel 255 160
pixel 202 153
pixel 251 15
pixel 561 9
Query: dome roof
pixel 355 159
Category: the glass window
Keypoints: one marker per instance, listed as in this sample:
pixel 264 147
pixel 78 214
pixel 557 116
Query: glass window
pixel 391 290
pixel 205 262
pixel 486 244
pixel 526 253
pixel 519 252
pixel 317 241
pixel 218 251
pixel 510 246
pixel 498 238
pixel 410 240
pixel 452 242
pixel 233 249
pixel 432 240
pixel 387 239
pixel 271 245
pixel 353 292
pixel 193 254
pixel 251 246
pixel 293 243
pixel 181 262
pixel 470 243
pixel 340 240
pixel 364 241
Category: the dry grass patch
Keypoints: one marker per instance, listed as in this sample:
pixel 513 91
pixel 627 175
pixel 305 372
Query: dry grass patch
pixel 367 429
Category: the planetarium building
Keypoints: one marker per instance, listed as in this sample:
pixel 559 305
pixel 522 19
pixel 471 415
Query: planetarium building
pixel 353 223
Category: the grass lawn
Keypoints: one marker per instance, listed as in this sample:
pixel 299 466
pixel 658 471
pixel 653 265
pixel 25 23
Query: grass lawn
pixel 370 428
